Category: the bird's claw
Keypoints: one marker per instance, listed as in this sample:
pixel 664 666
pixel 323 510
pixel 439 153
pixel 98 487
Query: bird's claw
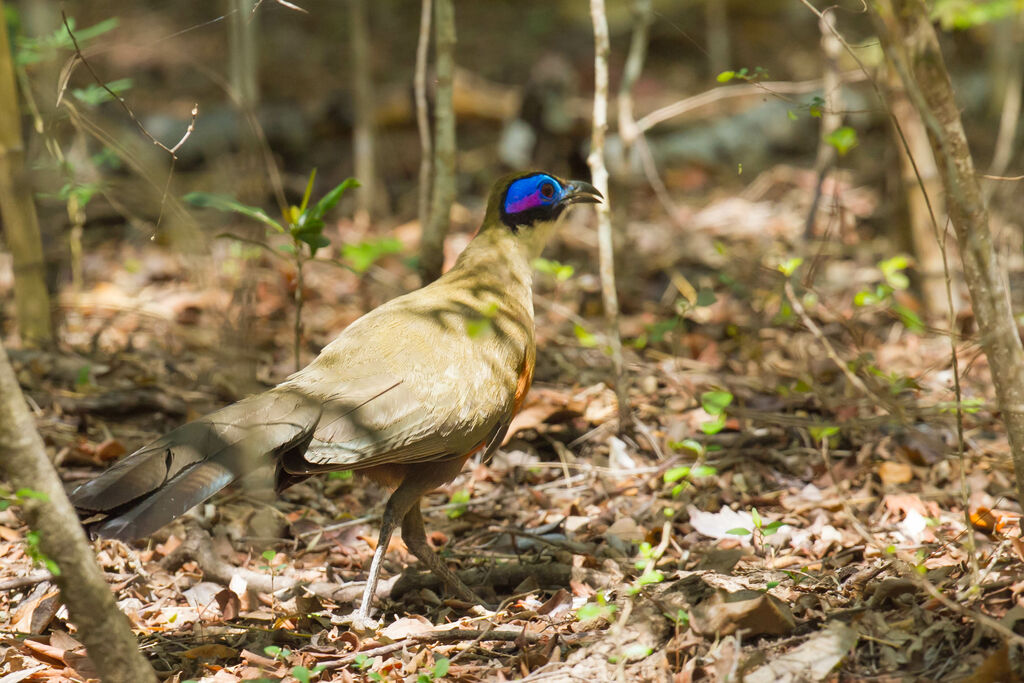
pixel 358 623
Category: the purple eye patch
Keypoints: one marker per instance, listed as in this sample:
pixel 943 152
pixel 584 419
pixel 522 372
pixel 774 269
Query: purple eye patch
pixel 526 193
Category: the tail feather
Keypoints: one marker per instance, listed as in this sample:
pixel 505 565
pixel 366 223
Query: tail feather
pixel 162 480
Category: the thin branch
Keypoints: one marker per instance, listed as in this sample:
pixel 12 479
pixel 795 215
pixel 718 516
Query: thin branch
pixel 605 238
pixel 117 98
pixel 777 88
pixel 422 115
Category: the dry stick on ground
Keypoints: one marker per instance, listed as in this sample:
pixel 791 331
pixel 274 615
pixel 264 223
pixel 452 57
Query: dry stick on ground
pixel 909 40
pixel 906 564
pixel 605 238
pixel 453 636
pixel 442 194
pixel 21 225
pixel 24 465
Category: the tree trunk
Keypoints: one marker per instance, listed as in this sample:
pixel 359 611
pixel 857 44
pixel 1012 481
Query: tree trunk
pixel 21 226
pixel 423 114
pixel 922 231
pixel 443 191
pixel 910 42
pixel 363 134
pixel 23 464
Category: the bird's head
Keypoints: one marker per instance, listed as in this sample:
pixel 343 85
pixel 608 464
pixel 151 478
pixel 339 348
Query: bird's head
pixel 526 200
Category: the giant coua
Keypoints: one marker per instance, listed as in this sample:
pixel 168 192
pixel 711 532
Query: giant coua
pixel 403 396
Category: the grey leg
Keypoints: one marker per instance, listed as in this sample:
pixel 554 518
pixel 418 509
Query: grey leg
pixel 415 537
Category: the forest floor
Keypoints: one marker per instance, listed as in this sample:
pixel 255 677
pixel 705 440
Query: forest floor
pixel 791 502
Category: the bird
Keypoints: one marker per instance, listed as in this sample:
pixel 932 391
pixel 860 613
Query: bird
pixel 403 396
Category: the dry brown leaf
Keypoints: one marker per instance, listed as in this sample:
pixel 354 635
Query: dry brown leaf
pixel 756 613
pixel 406 626
pixel 895 473
pixel 210 651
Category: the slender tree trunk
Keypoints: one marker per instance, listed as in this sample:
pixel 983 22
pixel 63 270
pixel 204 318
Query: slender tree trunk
pixel 1009 40
pixel 605 238
pixel 21 225
pixel 443 191
pixel 363 134
pixel 23 464
pixel 719 50
pixel 422 113
pixel 831 116
pixel 910 42
pixel 922 232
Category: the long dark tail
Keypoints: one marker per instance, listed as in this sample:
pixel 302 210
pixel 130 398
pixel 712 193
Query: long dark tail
pixel 161 481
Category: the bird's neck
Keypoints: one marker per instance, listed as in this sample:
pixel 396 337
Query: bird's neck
pixel 498 255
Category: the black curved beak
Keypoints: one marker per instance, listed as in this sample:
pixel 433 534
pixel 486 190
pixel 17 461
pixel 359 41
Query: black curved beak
pixel 581 192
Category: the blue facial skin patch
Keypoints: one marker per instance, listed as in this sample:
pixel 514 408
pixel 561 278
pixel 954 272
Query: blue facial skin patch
pixel 532 192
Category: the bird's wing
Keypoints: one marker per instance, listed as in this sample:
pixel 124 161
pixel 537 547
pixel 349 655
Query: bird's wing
pixel 430 393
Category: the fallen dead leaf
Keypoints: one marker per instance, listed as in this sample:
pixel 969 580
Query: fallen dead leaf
pixel 754 612
pixel 895 473
pixel 210 651
pixel 812 661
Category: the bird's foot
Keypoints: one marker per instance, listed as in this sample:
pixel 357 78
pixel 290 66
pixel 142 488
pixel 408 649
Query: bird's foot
pixel 358 622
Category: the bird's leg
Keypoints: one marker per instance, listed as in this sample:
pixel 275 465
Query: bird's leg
pixel 388 523
pixel 415 537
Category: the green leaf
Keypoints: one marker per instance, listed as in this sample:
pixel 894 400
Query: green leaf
pixel 715 402
pixel 26 494
pixel 739 531
pixel 360 256
pixel 301 673
pixel 789 267
pixel 586 339
pixel 94 94
pixel 676 473
pixel 822 432
pixel 688 445
pixel 756 516
pixel 341 475
pixel 713 426
pixel 308 192
pixel 705 297
pixel 441 667
pixel 315 241
pixel 329 200
pixel 842 139
pixel 461 499
pixel 220 202
pixel 725 76
pixel 269 556
pixel 703 471
pixel 816 107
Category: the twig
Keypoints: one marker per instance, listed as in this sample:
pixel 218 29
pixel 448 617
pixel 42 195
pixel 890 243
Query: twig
pixel 905 565
pixel 820 336
pixel 778 88
pixel 422 115
pixel 454 636
pixel 24 581
pixel 117 98
pixel 605 238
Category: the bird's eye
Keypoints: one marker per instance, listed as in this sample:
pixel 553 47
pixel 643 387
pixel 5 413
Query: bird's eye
pixel 547 190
